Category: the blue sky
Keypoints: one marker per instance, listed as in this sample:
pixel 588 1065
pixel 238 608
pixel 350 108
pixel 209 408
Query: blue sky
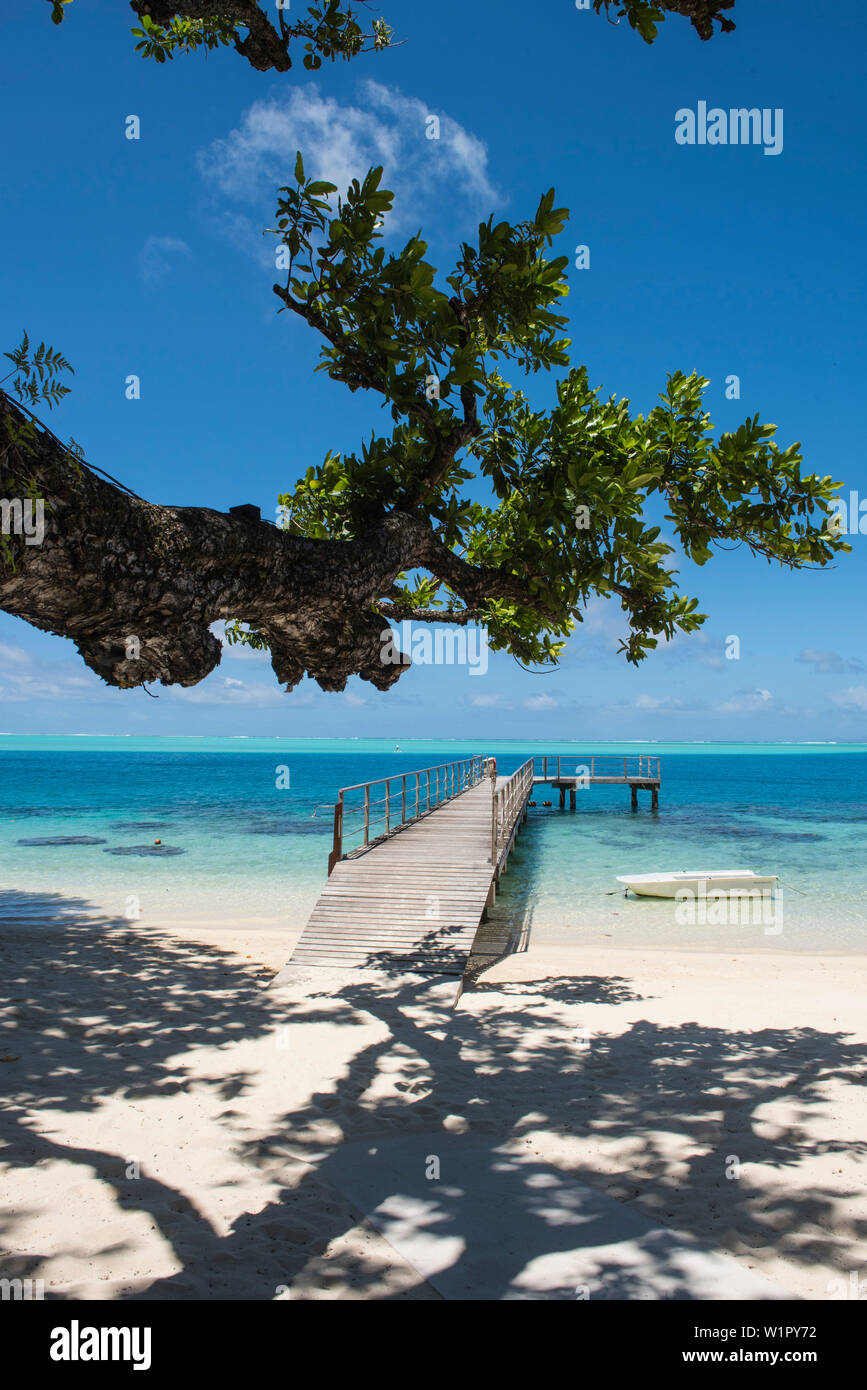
pixel 146 257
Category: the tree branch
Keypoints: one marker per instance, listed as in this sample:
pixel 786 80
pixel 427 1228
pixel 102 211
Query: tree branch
pixel 643 14
pixel 136 586
pixel 702 14
pixel 458 616
pixel 264 47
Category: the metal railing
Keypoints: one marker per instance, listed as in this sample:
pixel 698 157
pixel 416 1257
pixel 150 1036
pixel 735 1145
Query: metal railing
pixel 636 767
pixel 369 812
pixel 508 804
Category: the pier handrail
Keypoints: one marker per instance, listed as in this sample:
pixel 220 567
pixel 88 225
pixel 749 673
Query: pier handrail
pixel 402 803
pixel 596 767
pixel 507 805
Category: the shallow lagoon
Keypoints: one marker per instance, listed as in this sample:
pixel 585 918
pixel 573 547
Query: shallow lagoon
pixel 252 849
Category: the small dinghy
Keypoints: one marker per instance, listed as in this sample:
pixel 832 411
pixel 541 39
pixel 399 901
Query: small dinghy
pixel 711 883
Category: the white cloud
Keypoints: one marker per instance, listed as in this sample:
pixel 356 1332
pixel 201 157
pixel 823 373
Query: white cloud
pixel 748 702
pixel 24 677
pixel 541 702
pixel 225 690
pixel 693 646
pixel 23 688
pixel 829 663
pixel 154 262
pixel 488 702
pixel 855 697
pixel 14 656
pixel 661 702
pixel 340 142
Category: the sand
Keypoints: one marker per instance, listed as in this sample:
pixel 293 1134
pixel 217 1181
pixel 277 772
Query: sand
pixel 173 1117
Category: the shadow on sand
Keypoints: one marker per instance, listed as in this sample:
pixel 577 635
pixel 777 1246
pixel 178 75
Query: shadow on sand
pixel 113 1009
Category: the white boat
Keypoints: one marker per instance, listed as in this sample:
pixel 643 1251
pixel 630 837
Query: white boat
pixel 708 883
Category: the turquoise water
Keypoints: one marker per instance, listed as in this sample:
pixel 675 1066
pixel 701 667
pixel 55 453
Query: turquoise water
pixel 252 849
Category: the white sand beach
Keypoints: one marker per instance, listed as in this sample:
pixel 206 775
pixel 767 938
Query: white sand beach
pixel 173 1122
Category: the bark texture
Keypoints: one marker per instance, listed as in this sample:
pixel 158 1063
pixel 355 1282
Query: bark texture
pixel 112 567
pixel 702 13
pixel 263 47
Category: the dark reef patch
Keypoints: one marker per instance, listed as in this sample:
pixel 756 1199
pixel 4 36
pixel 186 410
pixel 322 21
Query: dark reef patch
pixel 63 840
pixel 140 825
pixel 145 851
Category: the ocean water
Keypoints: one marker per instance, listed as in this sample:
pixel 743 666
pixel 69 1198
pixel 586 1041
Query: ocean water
pixel 250 849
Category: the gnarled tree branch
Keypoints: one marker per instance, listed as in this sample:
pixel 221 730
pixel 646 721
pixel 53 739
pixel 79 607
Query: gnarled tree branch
pixel 136 586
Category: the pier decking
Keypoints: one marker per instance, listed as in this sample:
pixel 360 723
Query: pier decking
pixel 414 900
pixel 417 857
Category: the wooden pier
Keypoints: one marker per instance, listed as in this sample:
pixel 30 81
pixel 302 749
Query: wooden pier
pixel 417 857
pixel 641 772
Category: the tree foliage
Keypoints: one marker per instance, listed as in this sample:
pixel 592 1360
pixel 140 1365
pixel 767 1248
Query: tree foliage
pixel 36 373
pixel 332 29
pixel 569 485
pixel 477 506
pixel 264 34
pixel 35 380
pixel 646 15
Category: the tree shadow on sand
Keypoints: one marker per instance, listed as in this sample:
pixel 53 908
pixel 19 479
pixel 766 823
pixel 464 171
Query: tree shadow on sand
pixel 117 1010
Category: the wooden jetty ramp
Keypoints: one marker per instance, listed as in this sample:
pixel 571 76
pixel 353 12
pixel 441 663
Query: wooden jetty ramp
pixel 417 857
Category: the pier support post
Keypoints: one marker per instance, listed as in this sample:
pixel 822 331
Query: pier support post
pixel 571 798
pixel 562 798
pixel 654 805
pixel 337 846
pixel 634 798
